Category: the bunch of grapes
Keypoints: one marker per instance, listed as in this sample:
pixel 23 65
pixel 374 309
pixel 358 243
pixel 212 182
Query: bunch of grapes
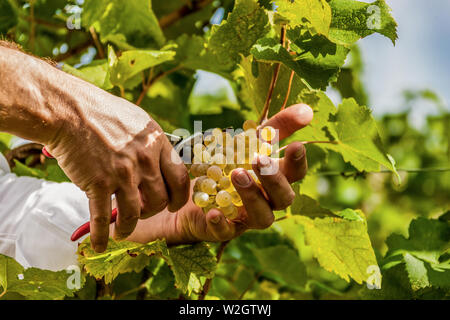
pixel 217 155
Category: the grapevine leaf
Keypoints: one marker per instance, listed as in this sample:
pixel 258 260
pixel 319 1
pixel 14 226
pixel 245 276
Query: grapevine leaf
pixel 162 283
pixel 358 139
pixel 238 33
pixel 314 14
pixel 33 283
pixel 132 62
pixel 353 20
pixel 96 73
pixel 317 130
pixel 283 264
pixel 340 245
pixel 427 240
pixel 422 253
pixel 187 261
pixel 5 139
pixel 125 256
pixel 192 52
pixel 8 16
pixel 255 80
pixel 112 17
pixel 317 71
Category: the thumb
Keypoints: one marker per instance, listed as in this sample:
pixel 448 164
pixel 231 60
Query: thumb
pixel 290 120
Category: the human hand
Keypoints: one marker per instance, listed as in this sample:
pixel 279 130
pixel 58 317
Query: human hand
pixel 191 224
pixel 109 146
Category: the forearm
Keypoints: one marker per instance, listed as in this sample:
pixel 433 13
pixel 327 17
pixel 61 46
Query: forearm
pixel 26 107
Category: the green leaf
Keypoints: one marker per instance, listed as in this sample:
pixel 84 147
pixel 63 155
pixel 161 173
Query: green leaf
pixel 317 71
pixel 24 171
pixel 5 140
pixel 8 16
pixel 427 240
pixel 132 62
pixel 353 20
pixel 247 23
pixel 112 17
pixel 97 73
pixel 422 253
pixel 33 283
pixel 255 77
pixel 354 132
pixel 314 14
pixel 283 264
pixel 125 256
pixel 341 246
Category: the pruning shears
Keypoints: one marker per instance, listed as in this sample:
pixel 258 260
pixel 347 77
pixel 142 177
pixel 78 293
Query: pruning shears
pixel 179 144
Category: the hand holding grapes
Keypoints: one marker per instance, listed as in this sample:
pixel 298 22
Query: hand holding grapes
pixel 192 224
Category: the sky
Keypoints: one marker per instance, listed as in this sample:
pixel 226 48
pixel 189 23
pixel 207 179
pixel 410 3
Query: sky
pixel 419 60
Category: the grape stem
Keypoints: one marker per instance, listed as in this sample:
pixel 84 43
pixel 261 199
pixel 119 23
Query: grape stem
pixel 147 85
pixel 265 112
pixel 208 281
pixel 307 142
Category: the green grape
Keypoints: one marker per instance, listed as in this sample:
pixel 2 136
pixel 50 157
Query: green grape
pixel 198 183
pixel 223 199
pixel 209 186
pixel 201 199
pixel 219 160
pixel 214 172
pixel 249 124
pixel 198 170
pixel 265 149
pixel 224 183
pixel 267 134
pixel 230 212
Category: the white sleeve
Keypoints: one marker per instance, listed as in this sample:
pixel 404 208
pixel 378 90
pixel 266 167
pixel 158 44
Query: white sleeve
pixel 37 218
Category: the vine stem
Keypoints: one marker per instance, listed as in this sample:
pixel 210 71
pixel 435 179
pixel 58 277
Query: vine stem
pixel 265 112
pixel 355 173
pixel 101 52
pixel 207 284
pixel 250 285
pixel 307 142
pixel 288 93
pixel 147 85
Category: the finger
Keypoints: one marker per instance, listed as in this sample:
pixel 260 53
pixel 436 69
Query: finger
pixel 129 210
pixel 100 208
pixel 259 213
pixel 218 225
pixel 294 165
pixel 176 178
pixel 274 183
pixel 154 195
pixel 290 120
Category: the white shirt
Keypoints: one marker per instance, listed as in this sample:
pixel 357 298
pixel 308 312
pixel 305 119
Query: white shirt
pixel 37 218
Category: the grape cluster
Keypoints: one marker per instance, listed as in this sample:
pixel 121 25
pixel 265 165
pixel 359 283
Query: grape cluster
pixel 217 155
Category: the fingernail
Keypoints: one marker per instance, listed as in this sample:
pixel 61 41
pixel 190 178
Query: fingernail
pixel 215 220
pixel 300 154
pixel 242 178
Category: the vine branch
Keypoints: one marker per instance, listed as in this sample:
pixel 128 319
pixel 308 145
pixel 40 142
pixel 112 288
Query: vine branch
pixel 207 284
pixel 265 112
pixel 101 52
pixel 147 85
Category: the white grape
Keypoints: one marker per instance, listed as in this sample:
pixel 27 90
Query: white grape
pixel 223 199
